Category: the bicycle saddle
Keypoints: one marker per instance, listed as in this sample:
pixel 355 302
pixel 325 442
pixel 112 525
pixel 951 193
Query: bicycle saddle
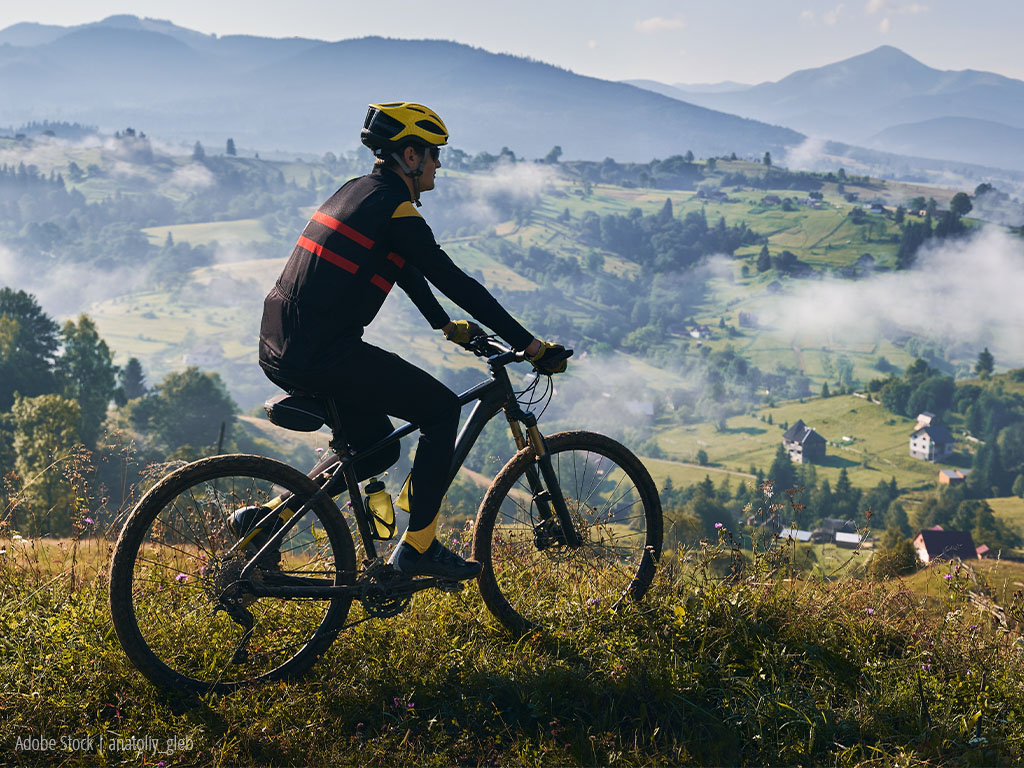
pixel 302 413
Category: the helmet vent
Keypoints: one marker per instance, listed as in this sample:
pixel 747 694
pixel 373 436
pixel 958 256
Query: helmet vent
pixel 430 125
pixel 386 126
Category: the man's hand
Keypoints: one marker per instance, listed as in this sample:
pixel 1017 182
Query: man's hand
pixel 550 358
pixel 461 331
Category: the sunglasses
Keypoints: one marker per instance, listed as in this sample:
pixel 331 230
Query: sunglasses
pixel 435 153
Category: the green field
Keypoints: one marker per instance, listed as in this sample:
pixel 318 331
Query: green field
pixel 877 448
pixel 223 232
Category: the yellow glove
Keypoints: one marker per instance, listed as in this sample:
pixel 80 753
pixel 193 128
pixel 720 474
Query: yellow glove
pixel 461 331
pixel 550 358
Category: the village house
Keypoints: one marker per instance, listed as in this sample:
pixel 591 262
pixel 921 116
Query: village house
pixel 931 440
pixel 951 477
pixel 803 444
pixel 700 332
pixel 937 544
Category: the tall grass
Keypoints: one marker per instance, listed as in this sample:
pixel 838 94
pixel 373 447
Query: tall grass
pixel 719 665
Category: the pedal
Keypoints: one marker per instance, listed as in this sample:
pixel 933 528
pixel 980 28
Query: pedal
pixel 451 586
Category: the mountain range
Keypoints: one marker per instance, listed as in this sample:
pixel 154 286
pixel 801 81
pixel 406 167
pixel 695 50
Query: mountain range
pixel 879 110
pixel 887 100
pixel 308 95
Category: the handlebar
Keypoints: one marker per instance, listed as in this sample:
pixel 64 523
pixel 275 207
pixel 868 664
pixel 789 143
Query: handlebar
pixel 498 355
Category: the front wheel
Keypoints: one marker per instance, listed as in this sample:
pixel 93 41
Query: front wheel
pixel 529 577
pixel 180 610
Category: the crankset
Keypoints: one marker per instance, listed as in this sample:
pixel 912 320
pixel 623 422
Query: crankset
pixel 384 591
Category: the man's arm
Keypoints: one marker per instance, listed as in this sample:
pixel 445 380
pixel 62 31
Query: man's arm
pixel 411 280
pixel 413 239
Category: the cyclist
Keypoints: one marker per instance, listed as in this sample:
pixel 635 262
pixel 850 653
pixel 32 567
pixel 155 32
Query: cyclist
pixel 367 237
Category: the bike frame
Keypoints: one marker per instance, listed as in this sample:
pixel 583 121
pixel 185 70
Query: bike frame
pixel 490 397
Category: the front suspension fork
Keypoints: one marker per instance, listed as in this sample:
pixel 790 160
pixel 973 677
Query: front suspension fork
pixel 556 524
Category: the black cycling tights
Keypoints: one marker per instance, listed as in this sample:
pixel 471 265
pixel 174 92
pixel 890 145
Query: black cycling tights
pixel 374 384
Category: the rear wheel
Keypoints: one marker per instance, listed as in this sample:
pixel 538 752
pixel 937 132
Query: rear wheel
pixel 531 580
pixel 181 613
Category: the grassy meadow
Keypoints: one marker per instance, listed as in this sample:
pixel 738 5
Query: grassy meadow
pixel 761 666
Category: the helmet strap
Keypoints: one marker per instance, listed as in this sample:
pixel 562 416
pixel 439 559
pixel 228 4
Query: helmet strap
pixel 413 174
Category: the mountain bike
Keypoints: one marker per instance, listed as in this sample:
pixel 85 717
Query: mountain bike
pixel 572 524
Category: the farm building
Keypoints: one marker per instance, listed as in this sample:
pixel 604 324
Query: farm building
pixel 931 440
pixel 944 545
pixel 803 444
pixel 951 477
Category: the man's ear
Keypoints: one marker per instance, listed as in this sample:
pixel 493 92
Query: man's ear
pixel 411 157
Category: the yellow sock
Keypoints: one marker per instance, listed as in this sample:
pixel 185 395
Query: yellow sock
pixel 422 539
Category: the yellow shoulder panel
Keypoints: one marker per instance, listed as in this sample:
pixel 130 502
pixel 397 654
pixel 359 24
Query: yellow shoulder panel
pixel 405 210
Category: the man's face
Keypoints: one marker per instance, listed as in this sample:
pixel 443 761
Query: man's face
pixel 429 167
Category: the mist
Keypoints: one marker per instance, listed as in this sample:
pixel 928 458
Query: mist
pixel 965 292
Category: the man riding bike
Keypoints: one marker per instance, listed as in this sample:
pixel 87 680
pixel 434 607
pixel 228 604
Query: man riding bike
pixel 366 238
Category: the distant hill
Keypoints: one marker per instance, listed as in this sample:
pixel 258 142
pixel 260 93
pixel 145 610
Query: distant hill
pixel 309 95
pixel 971 140
pixel 857 99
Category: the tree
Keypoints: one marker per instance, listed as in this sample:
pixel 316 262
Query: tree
pixel 28 346
pixel 1018 486
pixel 985 365
pixel 553 155
pixel 702 457
pixel 187 409
pixel 688 157
pixel 824 390
pixel 767 158
pixel 198 153
pixel 961 204
pixel 87 374
pixel 764 259
pixel 230 148
pixel 45 433
pixel 782 473
pixel 899 215
pixel 132 379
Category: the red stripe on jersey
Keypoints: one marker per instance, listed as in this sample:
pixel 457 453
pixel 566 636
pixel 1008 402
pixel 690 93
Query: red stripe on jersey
pixel 381 283
pixel 327 255
pixel 345 229
pixel 399 261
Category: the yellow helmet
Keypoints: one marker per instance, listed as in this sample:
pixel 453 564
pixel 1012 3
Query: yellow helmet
pixel 391 126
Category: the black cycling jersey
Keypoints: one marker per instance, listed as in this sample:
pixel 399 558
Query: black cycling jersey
pixel 367 237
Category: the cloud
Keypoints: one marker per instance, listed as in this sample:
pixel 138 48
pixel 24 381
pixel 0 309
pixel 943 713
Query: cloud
pixel 657 24
pixel 192 176
pixel 964 293
pixel 832 17
pixel 809 155
pixel 807 16
pixel 511 182
pixel 67 289
pixel 592 44
pixel 889 7
pixel 884 25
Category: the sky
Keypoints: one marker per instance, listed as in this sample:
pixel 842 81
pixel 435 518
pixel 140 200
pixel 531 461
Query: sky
pixel 686 41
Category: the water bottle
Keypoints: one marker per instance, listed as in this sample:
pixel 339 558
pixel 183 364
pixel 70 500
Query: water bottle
pixel 382 511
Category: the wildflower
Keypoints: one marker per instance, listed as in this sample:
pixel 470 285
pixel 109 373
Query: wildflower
pixel 948 576
pixel 88 521
pixel 871 611
pixel 926 667
pixel 17 537
pixel 395 702
pixel 594 601
pixel 411 705
pixel 718 526
pixel 181 577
